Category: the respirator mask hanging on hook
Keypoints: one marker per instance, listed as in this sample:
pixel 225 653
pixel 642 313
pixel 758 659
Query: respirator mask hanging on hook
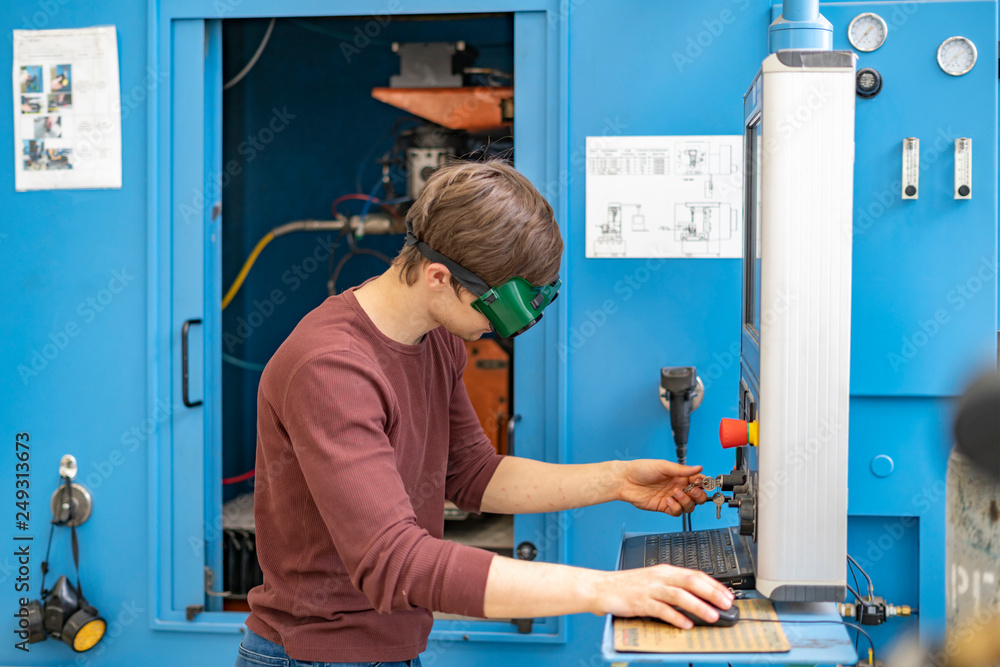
pixel 63 612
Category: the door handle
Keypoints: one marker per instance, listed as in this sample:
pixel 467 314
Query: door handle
pixel 511 424
pixel 184 363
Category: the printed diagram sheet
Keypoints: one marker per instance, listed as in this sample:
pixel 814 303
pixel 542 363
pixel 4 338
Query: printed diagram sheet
pixel 67 109
pixel 677 196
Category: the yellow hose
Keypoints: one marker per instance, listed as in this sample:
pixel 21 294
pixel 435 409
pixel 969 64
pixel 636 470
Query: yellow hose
pixel 242 275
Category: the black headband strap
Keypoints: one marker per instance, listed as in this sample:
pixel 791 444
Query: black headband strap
pixel 468 279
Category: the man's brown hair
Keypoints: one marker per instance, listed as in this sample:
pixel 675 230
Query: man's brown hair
pixel 490 219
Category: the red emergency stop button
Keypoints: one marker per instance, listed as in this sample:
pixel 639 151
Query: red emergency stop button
pixel 737 432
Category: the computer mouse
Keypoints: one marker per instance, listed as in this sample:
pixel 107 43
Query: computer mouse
pixel 727 617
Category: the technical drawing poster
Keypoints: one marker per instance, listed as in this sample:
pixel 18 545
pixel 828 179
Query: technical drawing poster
pixel 67 109
pixel 678 196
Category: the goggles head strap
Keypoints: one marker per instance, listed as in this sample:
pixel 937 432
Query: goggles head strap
pixel 466 278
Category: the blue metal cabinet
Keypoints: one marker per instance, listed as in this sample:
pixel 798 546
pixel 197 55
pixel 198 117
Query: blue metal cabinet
pixel 585 376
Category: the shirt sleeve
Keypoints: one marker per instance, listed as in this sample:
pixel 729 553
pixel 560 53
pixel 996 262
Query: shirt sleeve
pixel 472 459
pixel 349 467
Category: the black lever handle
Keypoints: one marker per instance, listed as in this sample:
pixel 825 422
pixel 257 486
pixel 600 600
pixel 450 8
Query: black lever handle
pixel 184 363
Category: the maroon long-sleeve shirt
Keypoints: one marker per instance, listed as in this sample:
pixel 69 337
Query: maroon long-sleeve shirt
pixel 359 441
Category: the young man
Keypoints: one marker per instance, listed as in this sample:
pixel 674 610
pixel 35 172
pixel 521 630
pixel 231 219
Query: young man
pixel 365 428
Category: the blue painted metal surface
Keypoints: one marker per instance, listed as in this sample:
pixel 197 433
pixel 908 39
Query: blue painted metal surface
pixel 109 393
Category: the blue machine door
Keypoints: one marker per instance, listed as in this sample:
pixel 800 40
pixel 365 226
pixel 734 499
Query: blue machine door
pixel 185 298
pixel 186 289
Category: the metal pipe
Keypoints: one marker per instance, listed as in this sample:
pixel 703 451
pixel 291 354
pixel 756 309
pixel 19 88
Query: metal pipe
pixel 800 10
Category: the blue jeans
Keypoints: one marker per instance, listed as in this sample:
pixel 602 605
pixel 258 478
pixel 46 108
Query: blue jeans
pixel 256 651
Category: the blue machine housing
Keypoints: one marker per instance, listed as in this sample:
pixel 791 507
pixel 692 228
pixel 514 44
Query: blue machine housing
pixel 925 303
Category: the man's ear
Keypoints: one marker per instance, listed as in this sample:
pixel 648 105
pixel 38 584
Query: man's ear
pixel 438 276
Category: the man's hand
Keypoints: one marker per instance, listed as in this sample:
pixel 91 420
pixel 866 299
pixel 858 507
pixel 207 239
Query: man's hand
pixel 522 589
pixel 658 486
pixel 650 591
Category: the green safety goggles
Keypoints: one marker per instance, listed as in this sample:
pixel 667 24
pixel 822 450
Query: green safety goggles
pixel 512 308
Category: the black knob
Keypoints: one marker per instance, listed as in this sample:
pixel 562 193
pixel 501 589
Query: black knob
pixel 731 481
pixel 868 83
pixel 911 190
pixel 963 190
pixel 526 551
pixel 746 516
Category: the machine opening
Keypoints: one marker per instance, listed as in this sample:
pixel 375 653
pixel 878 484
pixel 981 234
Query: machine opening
pixel 327 140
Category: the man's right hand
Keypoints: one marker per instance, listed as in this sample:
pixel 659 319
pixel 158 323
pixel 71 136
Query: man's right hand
pixel 650 591
pixel 523 589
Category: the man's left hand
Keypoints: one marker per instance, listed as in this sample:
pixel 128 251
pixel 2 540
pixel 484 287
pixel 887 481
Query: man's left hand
pixel 658 486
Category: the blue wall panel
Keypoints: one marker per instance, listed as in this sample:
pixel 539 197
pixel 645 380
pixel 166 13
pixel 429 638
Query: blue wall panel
pixel 86 395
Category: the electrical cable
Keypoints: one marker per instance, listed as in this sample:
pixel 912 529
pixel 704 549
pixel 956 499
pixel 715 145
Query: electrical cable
pixel 253 60
pixel 343 36
pixel 247 265
pixel 850 568
pixel 857 637
pixel 238 478
pixel 281 230
pixel 355 251
pixel 248 365
pixel 374 200
pixel 871 651
pixel 855 593
pixel 871 587
pixel 368 202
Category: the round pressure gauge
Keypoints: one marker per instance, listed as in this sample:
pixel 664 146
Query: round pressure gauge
pixel 867 32
pixel 956 55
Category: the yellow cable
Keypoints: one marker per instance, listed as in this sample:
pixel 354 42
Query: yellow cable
pixel 242 275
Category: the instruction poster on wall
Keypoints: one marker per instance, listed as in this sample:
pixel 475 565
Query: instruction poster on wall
pixel 671 196
pixel 67 109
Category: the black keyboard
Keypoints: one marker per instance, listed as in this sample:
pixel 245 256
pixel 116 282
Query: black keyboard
pixel 720 552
